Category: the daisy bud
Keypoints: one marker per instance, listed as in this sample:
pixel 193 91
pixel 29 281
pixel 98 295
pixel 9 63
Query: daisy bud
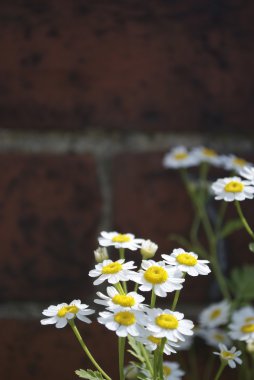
pixel 148 249
pixel 101 254
pixel 250 346
pixel 131 372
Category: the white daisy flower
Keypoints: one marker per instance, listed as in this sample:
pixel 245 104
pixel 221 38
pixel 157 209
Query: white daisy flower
pixel 231 189
pixel 113 271
pixel 208 155
pixel 215 315
pixel 242 326
pixel 187 262
pixel 159 277
pixel 123 322
pixel 171 371
pixel 62 313
pixel 168 324
pixel 115 300
pixel 152 343
pixel 186 344
pixel 214 336
pixel 247 172
pixel 179 157
pixel 230 356
pixel 148 249
pixel 233 162
pixel 119 240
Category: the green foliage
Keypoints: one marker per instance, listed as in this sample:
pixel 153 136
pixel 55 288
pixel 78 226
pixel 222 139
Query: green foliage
pixel 89 374
pixel 136 350
pixel 231 226
pixel 241 283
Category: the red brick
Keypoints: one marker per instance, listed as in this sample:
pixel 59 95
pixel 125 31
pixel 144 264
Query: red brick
pixel 139 64
pixel 152 203
pixel 31 351
pixel 49 214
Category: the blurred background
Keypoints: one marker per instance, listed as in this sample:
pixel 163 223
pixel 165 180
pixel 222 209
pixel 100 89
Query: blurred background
pixel 93 93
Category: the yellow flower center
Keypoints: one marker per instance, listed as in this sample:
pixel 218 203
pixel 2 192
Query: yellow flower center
pixel 112 268
pixel 180 156
pixel 249 319
pixel 121 238
pixel 167 321
pixel 154 340
pixel 248 328
pixel 239 161
pixel 186 259
pixel 125 318
pixel 209 152
pixel 227 355
pixel 215 314
pixel 156 275
pixel 234 187
pixel 166 370
pixel 218 337
pixel 123 300
pixel 67 309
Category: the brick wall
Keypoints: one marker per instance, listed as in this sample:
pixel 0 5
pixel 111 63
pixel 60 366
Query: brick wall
pixel 92 94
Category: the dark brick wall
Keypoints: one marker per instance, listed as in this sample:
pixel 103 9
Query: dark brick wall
pixel 92 94
pixel 172 65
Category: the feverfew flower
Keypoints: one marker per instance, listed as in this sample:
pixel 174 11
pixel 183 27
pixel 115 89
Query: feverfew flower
pixel 62 313
pixel 160 278
pixel 179 157
pixel 208 155
pixel 214 336
pixel 168 324
pixel 247 172
pixel 118 240
pixel 123 322
pixel 231 189
pixel 113 271
pixel 242 326
pixel 187 262
pixel 215 315
pixel 152 343
pixel 171 371
pixel 115 300
pixel 231 357
pixel 233 162
pixel 148 249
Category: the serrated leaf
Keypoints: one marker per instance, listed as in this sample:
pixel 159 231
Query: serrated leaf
pixel 136 351
pixel 242 283
pixel 89 374
pixel 251 247
pixel 231 226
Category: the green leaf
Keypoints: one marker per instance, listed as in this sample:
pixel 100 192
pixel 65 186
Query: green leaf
pixel 251 247
pixel 231 226
pixel 241 283
pixel 136 351
pixel 180 239
pixel 89 374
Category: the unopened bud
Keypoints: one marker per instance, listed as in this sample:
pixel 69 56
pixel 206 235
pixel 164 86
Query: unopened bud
pixel 131 372
pixel 250 346
pixel 148 249
pixel 101 254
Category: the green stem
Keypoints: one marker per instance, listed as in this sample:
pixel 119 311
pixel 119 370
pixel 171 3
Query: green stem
pixel 121 253
pixel 220 370
pixel 121 347
pixel 147 360
pixel 119 288
pixel 87 352
pixel 243 219
pixel 153 299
